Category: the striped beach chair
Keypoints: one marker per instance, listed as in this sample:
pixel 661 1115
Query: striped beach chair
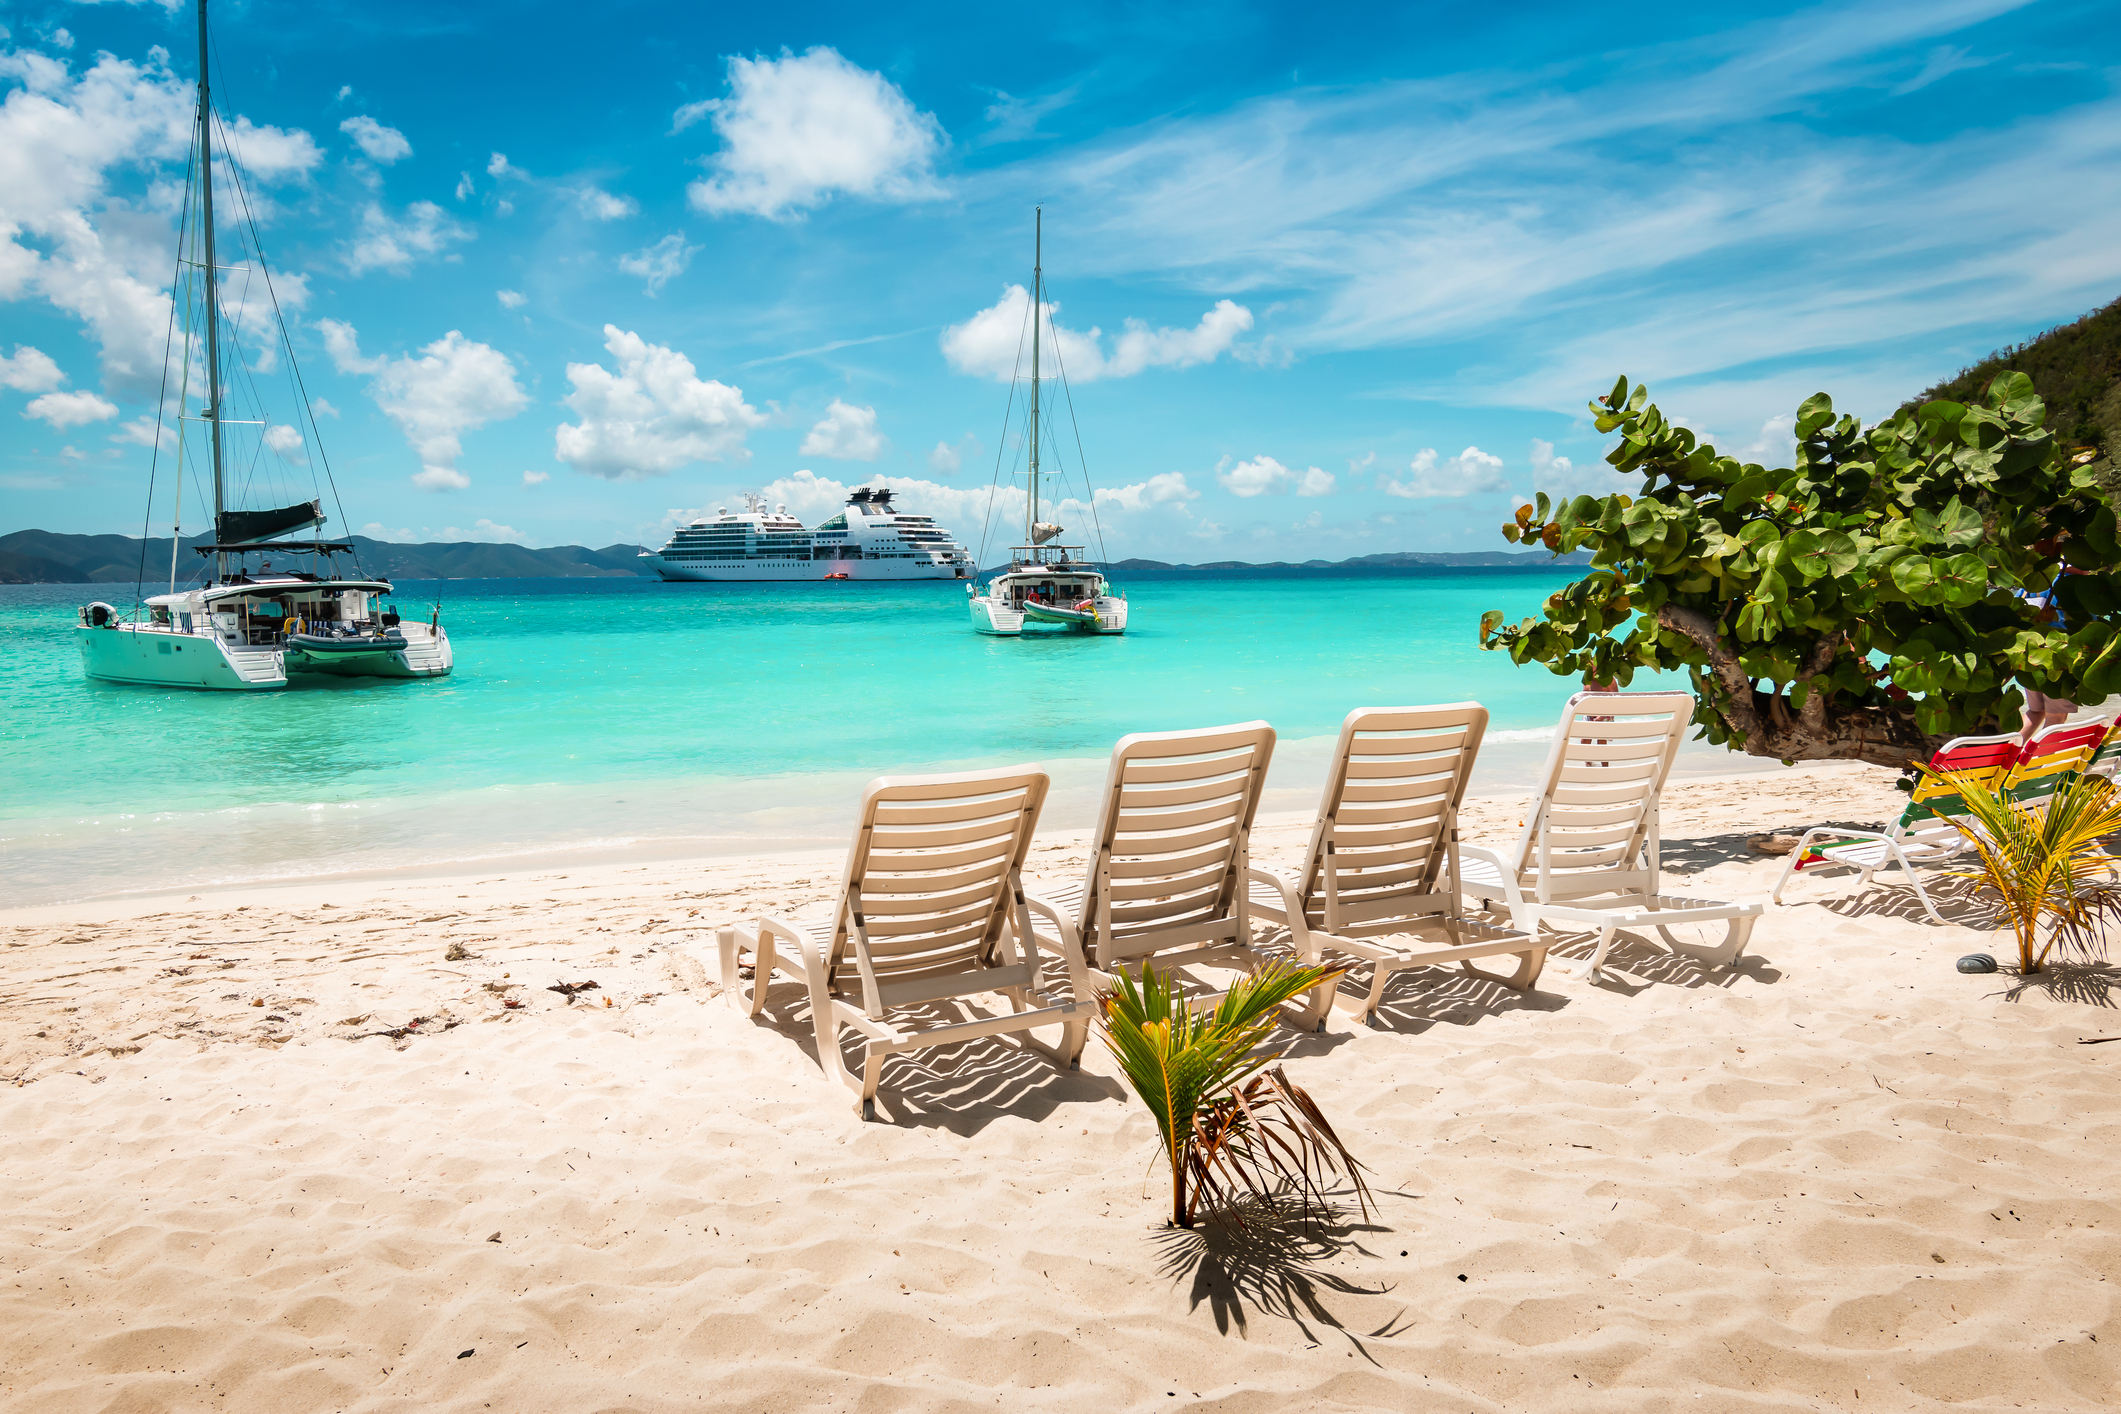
pixel 1925 833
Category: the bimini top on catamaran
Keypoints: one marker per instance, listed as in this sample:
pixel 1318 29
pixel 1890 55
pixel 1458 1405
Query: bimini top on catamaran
pixel 244 626
pixel 1048 585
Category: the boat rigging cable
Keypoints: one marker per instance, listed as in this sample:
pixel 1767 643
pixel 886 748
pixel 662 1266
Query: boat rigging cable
pixel 154 456
pixel 1001 443
pixel 1037 310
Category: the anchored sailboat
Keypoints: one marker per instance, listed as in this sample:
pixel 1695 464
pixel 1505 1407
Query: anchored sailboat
pixel 1048 585
pixel 244 628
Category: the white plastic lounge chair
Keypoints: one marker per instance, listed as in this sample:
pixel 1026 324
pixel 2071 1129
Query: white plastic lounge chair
pixel 1166 882
pixel 1382 865
pixel 931 910
pixel 1588 854
pixel 1924 834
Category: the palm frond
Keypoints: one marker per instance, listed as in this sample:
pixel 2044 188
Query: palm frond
pixel 2045 862
pixel 1224 1126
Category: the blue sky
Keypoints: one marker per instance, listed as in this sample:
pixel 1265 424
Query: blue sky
pixel 1329 280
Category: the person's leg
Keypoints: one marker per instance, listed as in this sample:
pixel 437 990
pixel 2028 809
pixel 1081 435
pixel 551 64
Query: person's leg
pixel 2034 716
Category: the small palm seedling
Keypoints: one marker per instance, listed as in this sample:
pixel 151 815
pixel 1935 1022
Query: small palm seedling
pixel 2044 862
pixel 1232 1128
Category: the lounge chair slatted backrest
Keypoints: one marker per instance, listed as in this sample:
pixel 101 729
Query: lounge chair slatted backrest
pixel 931 908
pixel 930 885
pixel 2106 761
pixel 1172 842
pixel 1593 827
pixel 1589 852
pixel 1382 865
pixel 2054 755
pixel 1987 759
pixel 1387 823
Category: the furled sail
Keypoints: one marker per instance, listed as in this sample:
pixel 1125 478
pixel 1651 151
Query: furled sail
pixel 1044 530
pixel 246 527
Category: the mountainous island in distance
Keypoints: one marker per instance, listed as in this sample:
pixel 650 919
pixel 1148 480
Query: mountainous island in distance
pixel 2075 367
pixel 48 557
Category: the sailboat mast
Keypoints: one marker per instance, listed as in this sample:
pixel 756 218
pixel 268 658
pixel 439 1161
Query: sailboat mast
pixel 1038 316
pixel 213 310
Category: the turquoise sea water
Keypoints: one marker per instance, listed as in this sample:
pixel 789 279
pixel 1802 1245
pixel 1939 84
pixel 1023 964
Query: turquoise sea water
pixel 617 718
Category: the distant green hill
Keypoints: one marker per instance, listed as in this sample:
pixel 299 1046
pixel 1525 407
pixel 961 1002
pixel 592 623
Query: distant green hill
pixel 2076 369
pixel 46 557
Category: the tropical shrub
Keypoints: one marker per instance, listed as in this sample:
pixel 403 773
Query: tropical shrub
pixel 1232 1128
pixel 1862 603
pixel 2044 862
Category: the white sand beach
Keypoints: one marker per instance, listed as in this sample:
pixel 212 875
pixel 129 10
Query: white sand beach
pixel 272 1150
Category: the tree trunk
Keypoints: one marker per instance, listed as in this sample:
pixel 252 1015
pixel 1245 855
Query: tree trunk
pixel 1818 732
pixel 1179 1216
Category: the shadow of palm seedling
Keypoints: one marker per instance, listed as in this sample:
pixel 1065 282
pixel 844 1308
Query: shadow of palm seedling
pixel 1271 1259
pixel 2088 984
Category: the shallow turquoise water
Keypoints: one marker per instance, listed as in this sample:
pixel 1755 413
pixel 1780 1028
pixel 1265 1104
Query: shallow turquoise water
pixel 616 713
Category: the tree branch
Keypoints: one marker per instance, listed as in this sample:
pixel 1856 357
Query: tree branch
pixel 1708 637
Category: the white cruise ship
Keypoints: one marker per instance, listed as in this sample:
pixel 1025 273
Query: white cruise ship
pixel 869 539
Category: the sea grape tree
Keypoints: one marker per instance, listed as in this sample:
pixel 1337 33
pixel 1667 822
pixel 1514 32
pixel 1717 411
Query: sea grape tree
pixel 1866 603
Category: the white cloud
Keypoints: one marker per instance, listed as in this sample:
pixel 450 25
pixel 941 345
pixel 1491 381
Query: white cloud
pixel 464 186
pixel 455 385
pixel 1944 60
pixel 64 237
pixel 384 145
pixel 947 458
pixel 482 531
pixel 536 478
pixel 498 166
pixel 1166 488
pixel 63 37
pixel 286 441
pixel 29 370
pixel 267 153
pixel 959 509
pixel 651 417
pixel 1539 214
pixel 376 530
pixel 800 129
pixel 1471 473
pixel 844 433
pixel 320 407
pixel 387 243
pixel 660 263
pixel 1264 474
pixel 142 431
pixel 1562 479
pixel 600 205
pixel 64 410
pixel 991 343
pixel 510 299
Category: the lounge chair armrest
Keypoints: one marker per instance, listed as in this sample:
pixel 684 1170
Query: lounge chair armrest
pixel 1506 876
pixel 1292 907
pixel 1071 942
pixel 781 927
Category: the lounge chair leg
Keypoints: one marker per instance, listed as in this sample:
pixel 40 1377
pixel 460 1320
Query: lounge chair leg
pixel 1530 963
pixel 762 964
pixel 725 943
pixel 1735 933
pixel 1380 978
pixel 1592 972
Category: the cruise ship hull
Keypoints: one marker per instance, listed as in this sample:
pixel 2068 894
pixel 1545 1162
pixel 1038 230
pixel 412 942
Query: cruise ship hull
pixel 740 571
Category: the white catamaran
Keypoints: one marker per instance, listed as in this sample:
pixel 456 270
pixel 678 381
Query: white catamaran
pixel 1048 585
pixel 244 627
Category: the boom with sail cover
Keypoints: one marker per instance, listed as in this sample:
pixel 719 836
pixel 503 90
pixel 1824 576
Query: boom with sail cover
pixel 248 527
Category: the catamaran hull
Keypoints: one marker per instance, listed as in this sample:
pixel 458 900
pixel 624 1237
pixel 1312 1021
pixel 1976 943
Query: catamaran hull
pixel 149 657
pixel 421 653
pixel 994 616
